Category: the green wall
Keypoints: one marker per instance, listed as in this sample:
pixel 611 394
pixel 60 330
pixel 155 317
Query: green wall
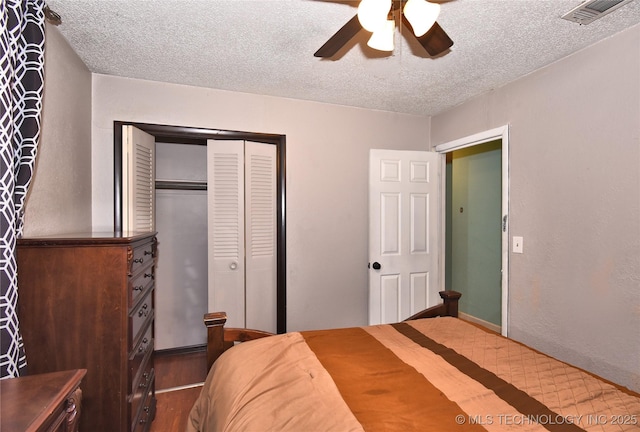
pixel 473 237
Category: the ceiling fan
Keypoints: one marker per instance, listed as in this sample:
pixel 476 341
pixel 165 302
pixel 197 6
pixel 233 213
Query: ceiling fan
pixel 380 16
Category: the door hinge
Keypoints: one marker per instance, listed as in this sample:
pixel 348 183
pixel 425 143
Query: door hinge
pixel 504 223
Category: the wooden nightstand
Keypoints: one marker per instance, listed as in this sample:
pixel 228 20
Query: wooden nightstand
pixel 43 402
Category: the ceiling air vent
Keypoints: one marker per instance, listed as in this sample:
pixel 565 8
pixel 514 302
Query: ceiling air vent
pixel 592 10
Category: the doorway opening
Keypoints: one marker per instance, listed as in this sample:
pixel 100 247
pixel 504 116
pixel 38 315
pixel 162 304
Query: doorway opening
pixel 476 241
pixel 186 140
pixel 473 231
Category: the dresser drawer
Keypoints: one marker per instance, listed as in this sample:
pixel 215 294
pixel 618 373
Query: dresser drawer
pixel 146 415
pixel 139 284
pixel 143 255
pixel 139 357
pixel 142 409
pixel 139 316
pixel 67 414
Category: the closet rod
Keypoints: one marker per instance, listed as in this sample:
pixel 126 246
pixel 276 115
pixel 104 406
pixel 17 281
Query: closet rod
pixel 181 185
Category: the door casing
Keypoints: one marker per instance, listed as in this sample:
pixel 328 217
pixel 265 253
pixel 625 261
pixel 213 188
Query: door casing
pixel 194 135
pixel 499 133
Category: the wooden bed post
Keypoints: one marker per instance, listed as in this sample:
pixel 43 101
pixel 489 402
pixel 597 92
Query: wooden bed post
pixel 215 335
pixel 450 299
pixel 220 339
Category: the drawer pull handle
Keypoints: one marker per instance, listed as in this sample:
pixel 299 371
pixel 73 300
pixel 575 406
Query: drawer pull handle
pixel 147 252
pixel 143 312
pixel 148 275
pixel 138 288
pixel 146 380
pixel 145 306
pixel 146 409
pixel 143 347
pixel 143 420
pixel 138 260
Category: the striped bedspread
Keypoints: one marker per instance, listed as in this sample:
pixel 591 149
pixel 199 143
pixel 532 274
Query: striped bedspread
pixel 439 374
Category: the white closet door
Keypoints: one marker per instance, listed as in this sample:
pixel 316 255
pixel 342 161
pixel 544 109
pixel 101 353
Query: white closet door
pixel 138 179
pixel 225 178
pixel 260 229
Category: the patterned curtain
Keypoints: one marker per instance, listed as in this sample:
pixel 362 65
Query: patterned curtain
pixel 22 64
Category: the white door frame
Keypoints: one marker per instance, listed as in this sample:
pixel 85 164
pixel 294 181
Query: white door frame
pixel 501 133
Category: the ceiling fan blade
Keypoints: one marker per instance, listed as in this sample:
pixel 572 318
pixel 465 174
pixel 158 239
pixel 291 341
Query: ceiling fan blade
pixel 340 38
pixel 435 41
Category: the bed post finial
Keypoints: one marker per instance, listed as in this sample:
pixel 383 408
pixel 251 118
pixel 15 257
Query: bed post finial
pixel 450 299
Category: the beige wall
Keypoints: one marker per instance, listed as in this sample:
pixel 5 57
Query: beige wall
pixel 327 178
pixel 59 198
pixel 575 198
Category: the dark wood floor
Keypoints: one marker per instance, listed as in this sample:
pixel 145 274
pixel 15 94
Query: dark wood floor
pixel 177 379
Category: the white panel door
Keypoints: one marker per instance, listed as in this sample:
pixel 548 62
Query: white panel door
pixel 138 180
pixel 404 208
pixel 260 231
pixel 225 191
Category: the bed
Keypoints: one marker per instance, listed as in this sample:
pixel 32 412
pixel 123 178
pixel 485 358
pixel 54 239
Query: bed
pixel 435 374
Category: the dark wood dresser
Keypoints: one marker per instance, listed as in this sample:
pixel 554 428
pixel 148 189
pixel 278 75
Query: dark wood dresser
pixel 87 302
pixel 45 402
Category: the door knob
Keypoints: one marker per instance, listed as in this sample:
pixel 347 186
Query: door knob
pixel 376 265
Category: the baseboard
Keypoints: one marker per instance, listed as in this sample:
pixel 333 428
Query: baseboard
pixel 487 324
pixel 182 387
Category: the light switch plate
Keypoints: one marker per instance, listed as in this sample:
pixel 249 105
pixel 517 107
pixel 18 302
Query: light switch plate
pixel 517 245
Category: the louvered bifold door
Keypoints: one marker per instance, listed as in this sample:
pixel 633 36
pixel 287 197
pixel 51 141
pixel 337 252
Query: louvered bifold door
pixel 138 179
pixel 225 198
pixel 260 231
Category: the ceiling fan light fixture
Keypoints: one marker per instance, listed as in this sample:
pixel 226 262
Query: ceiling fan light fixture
pixel 372 14
pixel 382 38
pixel 421 15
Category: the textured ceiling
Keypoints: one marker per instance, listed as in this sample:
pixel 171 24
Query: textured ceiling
pixel 266 47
